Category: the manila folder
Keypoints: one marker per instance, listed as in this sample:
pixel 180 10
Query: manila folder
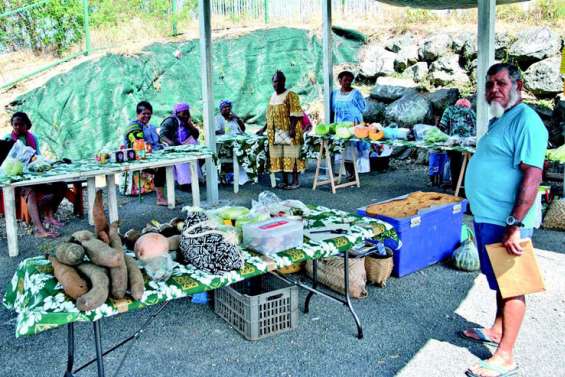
pixel 516 275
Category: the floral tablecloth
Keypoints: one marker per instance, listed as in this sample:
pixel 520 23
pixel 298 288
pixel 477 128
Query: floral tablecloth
pixel 312 143
pixel 251 152
pixel 92 167
pixel 41 304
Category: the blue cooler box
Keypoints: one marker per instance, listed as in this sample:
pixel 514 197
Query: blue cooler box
pixel 427 238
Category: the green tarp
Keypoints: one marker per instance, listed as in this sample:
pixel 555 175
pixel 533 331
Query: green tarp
pixel 86 109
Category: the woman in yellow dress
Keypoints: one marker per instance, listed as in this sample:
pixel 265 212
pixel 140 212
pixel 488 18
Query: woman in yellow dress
pixel 284 131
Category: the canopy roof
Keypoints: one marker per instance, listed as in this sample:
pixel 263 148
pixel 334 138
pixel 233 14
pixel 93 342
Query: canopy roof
pixel 442 4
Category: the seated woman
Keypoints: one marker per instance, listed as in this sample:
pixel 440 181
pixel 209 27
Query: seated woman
pixel 178 129
pixel 140 129
pixel 227 123
pixel 39 198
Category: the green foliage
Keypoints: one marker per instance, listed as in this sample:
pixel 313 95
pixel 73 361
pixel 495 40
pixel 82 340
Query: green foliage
pixel 51 27
pixel 419 16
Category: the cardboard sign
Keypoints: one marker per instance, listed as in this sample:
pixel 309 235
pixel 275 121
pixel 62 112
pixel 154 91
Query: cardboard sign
pixel 516 275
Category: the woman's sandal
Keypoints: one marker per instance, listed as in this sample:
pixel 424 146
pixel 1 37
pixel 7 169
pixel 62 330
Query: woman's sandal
pixel 491 367
pixel 480 336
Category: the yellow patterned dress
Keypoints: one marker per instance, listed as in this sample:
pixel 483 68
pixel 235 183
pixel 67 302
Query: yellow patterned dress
pixel 284 157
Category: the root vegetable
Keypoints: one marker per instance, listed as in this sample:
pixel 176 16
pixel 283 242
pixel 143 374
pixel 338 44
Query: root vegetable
pixel 174 242
pixel 69 253
pixel 82 235
pixel 118 275
pixel 151 245
pixel 102 254
pixel 100 220
pixel 131 237
pixel 98 294
pixel 73 285
pixel 168 230
pixel 135 277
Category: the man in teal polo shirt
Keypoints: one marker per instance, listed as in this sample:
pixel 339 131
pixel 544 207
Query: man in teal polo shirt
pixel 501 184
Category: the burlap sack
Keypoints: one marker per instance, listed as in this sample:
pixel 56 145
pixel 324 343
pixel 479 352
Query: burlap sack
pixel 555 216
pixel 378 270
pixel 330 274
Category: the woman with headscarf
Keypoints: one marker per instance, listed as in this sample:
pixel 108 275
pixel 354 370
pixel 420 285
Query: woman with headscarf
pixel 141 129
pixel 39 198
pixel 178 129
pixel 227 123
pixel 458 120
pixel 284 131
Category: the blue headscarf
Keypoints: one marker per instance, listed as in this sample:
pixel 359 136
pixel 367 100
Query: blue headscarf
pixel 224 103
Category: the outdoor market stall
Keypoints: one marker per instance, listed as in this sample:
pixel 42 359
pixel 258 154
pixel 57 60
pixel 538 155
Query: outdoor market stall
pixel 90 169
pixel 41 304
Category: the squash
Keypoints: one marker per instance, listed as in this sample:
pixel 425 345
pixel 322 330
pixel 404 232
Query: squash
pixel 466 257
pixel 151 245
pixel 322 129
pixel 376 132
pixel 361 132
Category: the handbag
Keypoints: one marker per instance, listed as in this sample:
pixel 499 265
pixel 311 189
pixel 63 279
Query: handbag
pixel 282 137
pixel 207 248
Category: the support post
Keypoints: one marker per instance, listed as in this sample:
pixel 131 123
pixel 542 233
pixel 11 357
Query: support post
pixel 266 11
pixel 10 217
pixel 86 23
pixel 485 44
pixel 170 182
pixel 174 16
pixel 207 97
pixel 91 193
pixel 112 197
pixel 327 56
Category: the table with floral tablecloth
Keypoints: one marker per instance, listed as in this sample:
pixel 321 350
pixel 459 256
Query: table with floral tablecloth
pixel 251 152
pixel 41 304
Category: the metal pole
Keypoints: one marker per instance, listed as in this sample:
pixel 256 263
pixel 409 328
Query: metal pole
pixel 207 98
pixel 174 16
pixel 266 11
pixel 87 46
pixel 98 345
pixel 19 10
pixel 328 64
pixel 485 44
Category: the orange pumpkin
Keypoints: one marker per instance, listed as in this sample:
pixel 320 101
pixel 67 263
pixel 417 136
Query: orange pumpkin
pixel 361 132
pixel 376 132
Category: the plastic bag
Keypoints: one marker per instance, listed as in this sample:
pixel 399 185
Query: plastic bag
pixel 420 130
pixel 40 164
pixel 17 159
pixel 466 256
pixel 159 268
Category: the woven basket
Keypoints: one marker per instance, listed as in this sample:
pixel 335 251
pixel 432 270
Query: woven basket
pixel 555 216
pixel 378 270
pixel 330 274
pixel 292 269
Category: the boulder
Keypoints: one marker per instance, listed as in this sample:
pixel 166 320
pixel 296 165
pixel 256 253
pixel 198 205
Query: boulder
pixel 400 43
pixel 416 72
pixel 446 70
pixel 557 129
pixel 460 39
pixel 409 110
pixel 374 112
pixel 375 61
pixel 442 98
pixel 502 43
pixel 400 63
pixel 389 89
pixel 534 44
pixel 469 50
pixel 410 53
pixel 434 47
pixel 543 78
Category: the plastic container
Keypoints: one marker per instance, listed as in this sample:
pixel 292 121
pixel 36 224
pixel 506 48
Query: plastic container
pixel 258 307
pixel 274 235
pixel 427 238
pixel 396 133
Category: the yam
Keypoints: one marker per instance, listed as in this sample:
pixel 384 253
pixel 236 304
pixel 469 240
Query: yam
pixel 174 242
pixel 82 235
pixel 98 294
pixel 135 278
pixel 69 253
pixel 131 237
pixel 151 245
pixel 73 285
pixel 168 230
pixel 115 240
pixel 118 275
pixel 100 220
pixel 102 254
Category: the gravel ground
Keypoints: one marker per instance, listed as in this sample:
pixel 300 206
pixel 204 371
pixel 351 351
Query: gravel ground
pixel 410 326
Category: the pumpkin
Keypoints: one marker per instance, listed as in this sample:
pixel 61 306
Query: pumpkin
pixel 322 129
pixel 342 133
pixel 361 132
pixel 376 132
pixel 151 245
pixel 466 257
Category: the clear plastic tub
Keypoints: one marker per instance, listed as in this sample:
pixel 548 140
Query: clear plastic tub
pixel 274 235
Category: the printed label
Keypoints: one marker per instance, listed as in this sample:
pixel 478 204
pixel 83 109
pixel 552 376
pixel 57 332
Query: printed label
pixel 273 225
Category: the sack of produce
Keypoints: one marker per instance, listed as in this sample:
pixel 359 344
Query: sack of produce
pixel 207 248
pixel 330 273
pixel 555 216
pixel 17 159
pixel 466 256
pixel 434 135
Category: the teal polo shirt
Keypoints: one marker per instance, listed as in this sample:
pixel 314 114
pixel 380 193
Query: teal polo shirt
pixel 494 176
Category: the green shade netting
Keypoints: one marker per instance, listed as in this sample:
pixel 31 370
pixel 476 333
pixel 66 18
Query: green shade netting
pixel 78 113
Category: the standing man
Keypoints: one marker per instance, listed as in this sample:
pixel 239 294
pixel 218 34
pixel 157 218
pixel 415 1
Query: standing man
pixel 502 183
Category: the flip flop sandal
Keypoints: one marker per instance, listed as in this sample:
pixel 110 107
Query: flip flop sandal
pixel 502 371
pixel 292 187
pixel 481 337
pixel 281 186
